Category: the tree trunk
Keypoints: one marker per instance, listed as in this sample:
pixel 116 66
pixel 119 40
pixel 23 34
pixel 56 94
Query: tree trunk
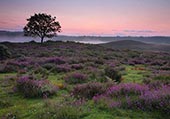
pixel 42 39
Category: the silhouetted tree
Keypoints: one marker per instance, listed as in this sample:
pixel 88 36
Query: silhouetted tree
pixel 42 25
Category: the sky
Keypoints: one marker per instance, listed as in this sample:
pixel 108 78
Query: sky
pixel 93 17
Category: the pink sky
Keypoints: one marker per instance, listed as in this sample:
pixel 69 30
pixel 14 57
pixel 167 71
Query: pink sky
pixel 93 17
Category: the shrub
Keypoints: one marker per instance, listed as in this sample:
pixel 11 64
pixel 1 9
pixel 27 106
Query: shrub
pixel 165 78
pixel 10 116
pixel 158 81
pixel 153 100
pixel 4 104
pixel 4 52
pixel 104 102
pixel 40 73
pixel 113 74
pixel 61 68
pixel 77 66
pixel 56 60
pixel 126 89
pixel 76 78
pixel 88 90
pixel 136 96
pixel 31 87
pixel 99 61
pixel 9 68
pixel 49 66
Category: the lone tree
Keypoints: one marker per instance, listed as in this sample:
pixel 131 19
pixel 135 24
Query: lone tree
pixel 42 25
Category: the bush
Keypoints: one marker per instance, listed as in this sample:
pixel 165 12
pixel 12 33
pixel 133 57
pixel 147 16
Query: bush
pixel 9 68
pixel 31 87
pixel 77 66
pixel 49 66
pixel 61 68
pixel 88 90
pixel 152 100
pixel 126 90
pixel 165 78
pixel 136 96
pixel 76 78
pixel 10 116
pixel 40 73
pixel 113 74
pixel 55 60
pixel 4 104
pixel 158 81
pixel 4 52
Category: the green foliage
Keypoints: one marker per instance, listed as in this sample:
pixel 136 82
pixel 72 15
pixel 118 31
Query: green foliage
pixel 4 52
pixel 40 73
pixel 113 74
pixel 61 111
pixel 162 78
pixel 134 75
pixel 4 104
pixel 49 66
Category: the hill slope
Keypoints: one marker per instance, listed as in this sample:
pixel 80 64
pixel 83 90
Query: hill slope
pixel 137 45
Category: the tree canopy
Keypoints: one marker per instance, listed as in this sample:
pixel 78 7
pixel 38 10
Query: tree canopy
pixel 42 25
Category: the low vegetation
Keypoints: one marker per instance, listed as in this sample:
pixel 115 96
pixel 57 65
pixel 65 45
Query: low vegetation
pixel 67 80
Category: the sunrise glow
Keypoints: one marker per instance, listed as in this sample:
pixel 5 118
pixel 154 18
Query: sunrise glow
pixel 93 17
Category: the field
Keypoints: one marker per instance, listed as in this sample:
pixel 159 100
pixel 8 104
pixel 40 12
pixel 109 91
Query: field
pixel 68 80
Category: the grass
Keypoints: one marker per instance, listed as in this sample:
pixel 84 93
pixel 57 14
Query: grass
pixel 3 75
pixel 96 113
pixel 135 74
pixel 29 108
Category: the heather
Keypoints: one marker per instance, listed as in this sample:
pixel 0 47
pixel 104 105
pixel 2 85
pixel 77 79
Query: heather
pixel 68 80
pixel 76 78
pixel 136 96
pixel 88 90
pixel 31 87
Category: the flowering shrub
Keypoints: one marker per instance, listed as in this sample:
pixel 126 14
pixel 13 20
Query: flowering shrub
pixel 158 81
pixel 136 96
pixel 77 66
pixel 152 100
pixel 61 68
pixel 88 90
pixel 8 68
pixel 56 60
pixel 156 96
pixel 76 78
pixel 30 87
pixel 126 89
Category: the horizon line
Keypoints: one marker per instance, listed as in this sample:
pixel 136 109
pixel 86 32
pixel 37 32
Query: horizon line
pixel 13 31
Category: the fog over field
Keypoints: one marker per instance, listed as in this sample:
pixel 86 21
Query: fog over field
pixel 19 37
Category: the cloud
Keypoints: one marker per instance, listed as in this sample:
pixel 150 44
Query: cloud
pixel 139 31
pixel 133 32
